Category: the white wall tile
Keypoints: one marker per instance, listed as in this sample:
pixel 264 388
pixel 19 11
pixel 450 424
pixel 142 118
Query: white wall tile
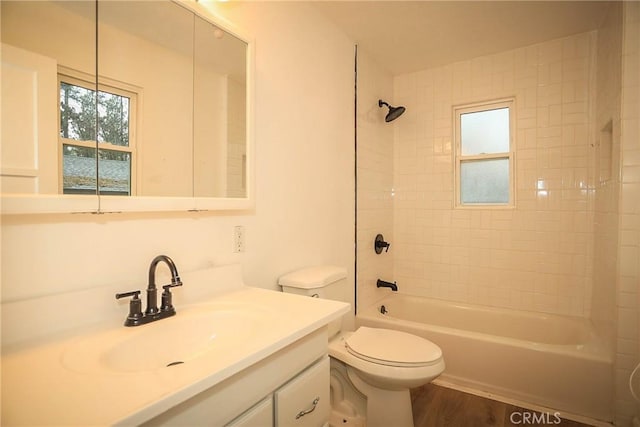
pixel 552 160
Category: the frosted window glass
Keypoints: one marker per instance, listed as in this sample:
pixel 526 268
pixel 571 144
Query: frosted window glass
pixel 484 181
pixel 485 132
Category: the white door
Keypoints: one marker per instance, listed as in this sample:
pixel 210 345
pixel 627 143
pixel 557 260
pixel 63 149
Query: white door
pixel 29 141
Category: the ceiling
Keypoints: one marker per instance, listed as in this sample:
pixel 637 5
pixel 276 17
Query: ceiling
pixel 406 36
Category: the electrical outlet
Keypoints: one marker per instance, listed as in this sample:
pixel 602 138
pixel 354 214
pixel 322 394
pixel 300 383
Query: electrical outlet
pixel 238 238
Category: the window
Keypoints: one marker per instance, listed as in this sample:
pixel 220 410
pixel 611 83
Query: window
pixel 484 160
pixel 116 108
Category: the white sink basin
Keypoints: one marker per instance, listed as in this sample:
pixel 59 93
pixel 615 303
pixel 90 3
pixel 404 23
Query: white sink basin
pixel 167 342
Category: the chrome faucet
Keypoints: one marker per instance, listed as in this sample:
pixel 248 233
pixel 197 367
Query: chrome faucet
pixel 153 313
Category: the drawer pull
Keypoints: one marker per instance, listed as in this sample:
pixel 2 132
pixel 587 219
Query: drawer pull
pixel 308 411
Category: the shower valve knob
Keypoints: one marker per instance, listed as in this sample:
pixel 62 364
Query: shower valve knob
pixel 380 244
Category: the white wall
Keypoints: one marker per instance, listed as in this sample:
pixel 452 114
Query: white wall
pixel 210 133
pixel 304 211
pixel 628 279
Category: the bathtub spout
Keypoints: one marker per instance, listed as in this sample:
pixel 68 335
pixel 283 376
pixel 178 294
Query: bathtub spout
pixel 383 284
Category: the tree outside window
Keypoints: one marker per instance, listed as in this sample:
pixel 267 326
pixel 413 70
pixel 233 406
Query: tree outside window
pixel 78 133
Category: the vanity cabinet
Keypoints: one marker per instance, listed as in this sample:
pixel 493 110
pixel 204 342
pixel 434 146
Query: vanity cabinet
pixel 271 392
pixel 303 401
pixel 260 414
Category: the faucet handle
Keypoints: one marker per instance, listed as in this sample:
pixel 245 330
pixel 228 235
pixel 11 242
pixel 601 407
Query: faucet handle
pixel 135 307
pixel 167 304
pixel 134 294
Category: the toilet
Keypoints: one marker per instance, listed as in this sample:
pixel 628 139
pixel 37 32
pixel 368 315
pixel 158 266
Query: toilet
pixel 372 369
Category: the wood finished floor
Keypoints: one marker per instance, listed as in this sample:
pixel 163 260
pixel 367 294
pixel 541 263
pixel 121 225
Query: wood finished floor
pixel 436 406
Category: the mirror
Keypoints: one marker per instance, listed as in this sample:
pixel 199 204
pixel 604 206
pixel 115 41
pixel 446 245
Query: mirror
pixel 172 112
pixel 220 93
pixel 30 57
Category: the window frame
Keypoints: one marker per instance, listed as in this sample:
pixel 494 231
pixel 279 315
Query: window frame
pixel 478 107
pixel 87 81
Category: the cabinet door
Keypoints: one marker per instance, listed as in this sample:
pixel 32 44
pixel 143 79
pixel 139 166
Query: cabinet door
pixel 260 414
pixel 304 401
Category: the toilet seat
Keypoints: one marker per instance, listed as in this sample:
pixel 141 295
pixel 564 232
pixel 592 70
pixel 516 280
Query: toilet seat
pixel 392 348
pixel 388 374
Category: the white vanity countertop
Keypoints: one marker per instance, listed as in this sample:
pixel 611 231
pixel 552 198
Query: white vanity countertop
pixel 42 385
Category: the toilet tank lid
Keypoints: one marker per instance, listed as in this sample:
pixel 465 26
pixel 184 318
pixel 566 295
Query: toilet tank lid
pixel 313 277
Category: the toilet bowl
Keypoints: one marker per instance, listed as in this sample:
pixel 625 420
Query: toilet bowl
pixel 382 365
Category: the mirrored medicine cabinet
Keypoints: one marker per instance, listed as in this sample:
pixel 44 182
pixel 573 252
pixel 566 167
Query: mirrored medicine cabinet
pixel 111 106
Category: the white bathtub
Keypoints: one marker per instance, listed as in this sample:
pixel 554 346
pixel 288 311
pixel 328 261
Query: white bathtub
pixel 552 361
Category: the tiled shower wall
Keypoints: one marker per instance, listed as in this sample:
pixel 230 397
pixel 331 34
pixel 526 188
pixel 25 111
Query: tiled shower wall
pixel 375 179
pixel 537 255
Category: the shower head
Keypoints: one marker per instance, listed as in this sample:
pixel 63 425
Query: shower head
pixel 394 112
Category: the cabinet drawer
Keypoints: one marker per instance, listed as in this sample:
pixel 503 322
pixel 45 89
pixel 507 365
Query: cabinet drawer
pixel 304 401
pixel 261 414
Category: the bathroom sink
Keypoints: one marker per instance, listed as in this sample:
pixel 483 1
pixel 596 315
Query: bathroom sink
pixel 177 340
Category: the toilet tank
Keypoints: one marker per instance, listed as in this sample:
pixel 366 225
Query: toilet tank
pixel 326 282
